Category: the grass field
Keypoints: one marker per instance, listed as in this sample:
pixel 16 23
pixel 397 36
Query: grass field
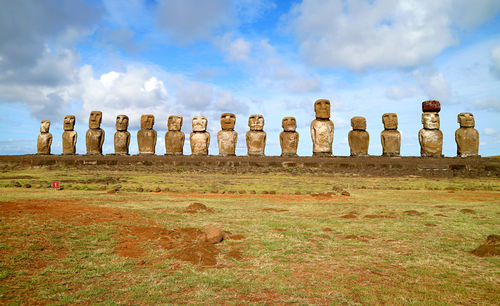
pixel 297 237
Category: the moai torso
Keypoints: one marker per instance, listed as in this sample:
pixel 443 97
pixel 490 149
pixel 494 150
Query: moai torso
pixel 95 135
pixel 44 140
pixel 467 137
pixel 289 138
pixel 322 129
pixel 199 139
pixel 430 137
pixel 122 136
pixel 359 139
pixel 227 137
pixel 69 136
pixel 174 138
pixel 146 136
pixel 256 137
pixel 390 136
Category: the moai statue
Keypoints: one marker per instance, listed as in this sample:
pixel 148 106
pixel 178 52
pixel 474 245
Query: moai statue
pixel 467 137
pixel 146 136
pixel 430 137
pixel 322 129
pixel 289 138
pixel 227 137
pixel 69 135
pixel 174 138
pixel 359 139
pixel 199 138
pixel 122 136
pixel 45 138
pixel 95 135
pixel 256 137
pixel 390 136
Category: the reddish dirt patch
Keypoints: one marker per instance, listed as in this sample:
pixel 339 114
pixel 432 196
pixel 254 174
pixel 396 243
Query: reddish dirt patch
pixel 470 196
pixel 467 211
pixel 377 217
pixel 280 229
pixel 430 224
pixel 327 229
pixel 413 213
pixel 197 207
pixel 441 215
pixel 236 237
pixel 273 210
pixel 490 248
pixel 235 254
pixel 350 215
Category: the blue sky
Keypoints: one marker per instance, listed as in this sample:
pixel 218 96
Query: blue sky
pixel 195 57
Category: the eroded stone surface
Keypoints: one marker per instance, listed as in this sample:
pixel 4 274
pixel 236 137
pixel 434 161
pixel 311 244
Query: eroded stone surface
pixel 227 138
pixel 174 138
pixel 467 137
pixel 146 136
pixel 69 135
pixel 44 140
pixel 95 135
pixel 322 129
pixel 289 138
pixel 256 137
pixel 359 139
pixel 199 138
pixel 430 137
pixel 122 136
pixel 390 136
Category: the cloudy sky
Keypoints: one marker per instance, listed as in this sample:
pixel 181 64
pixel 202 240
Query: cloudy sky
pixel 275 58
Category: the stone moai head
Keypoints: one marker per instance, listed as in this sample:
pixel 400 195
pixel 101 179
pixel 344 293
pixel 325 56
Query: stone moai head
pixel 44 126
pixel 147 122
pixel 199 123
pixel 289 124
pixel 466 120
pixel 121 122
pixel 358 123
pixel 430 121
pixel 322 109
pixel 174 123
pixel 227 121
pixel 256 122
pixel 69 123
pixel 390 121
pixel 95 119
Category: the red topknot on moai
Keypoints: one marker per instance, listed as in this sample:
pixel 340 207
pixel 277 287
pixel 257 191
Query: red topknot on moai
pixel 430 137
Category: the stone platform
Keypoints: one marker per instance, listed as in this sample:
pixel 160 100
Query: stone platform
pixel 369 165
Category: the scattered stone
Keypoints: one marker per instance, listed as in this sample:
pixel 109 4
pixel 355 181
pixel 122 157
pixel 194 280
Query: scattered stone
pixel 242 192
pixel 17 184
pixel 272 192
pixel 430 224
pixel 139 189
pixel 413 213
pixel 253 192
pixel 350 215
pixel 440 215
pixel 213 235
pixel 490 248
pixel 27 185
pixel 346 193
pixel 157 189
pixel 468 211
pixel 197 207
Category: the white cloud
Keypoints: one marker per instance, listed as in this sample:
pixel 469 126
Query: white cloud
pixel 433 84
pixel 490 132
pixel 362 34
pixel 495 59
pixel 488 103
pixel 402 91
pixel 237 50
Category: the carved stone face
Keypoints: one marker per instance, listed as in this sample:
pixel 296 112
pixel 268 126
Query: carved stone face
pixel 358 123
pixel 95 119
pixel 289 124
pixel 322 108
pixel 227 121
pixel 69 123
pixel 44 126
pixel 147 122
pixel 390 121
pixel 256 122
pixel 466 120
pixel 199 123
pixel 121 122
pixel 430 121
pixel 174 123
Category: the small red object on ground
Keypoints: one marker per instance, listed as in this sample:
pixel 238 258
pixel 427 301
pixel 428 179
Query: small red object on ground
pixel 55 185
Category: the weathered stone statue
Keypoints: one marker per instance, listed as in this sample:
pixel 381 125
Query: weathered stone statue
pixel 256 137
pixel 199 138
pixel 289 138
pixel 69 135
pixel 122 136
pixel 390 136
pixel 174 138
pixel 359 139
pixel 146 136
pixel 227 137
pixel 44 140
pixel 430 137
pixel 322 129
pixel 95 135
pixel 467 137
